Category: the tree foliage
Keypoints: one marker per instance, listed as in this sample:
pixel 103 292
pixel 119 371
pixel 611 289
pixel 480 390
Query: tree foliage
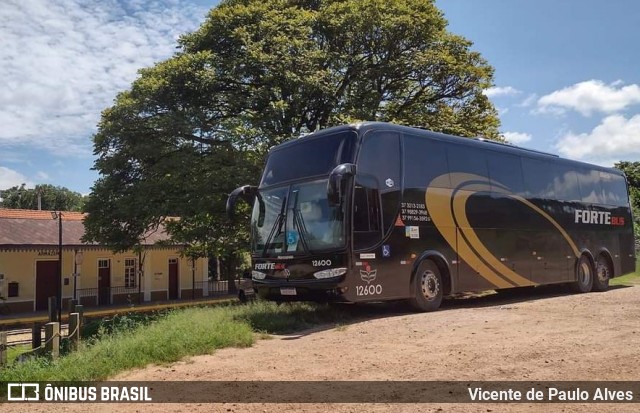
pixel 632 171
pixel 257 73
pixel 52 198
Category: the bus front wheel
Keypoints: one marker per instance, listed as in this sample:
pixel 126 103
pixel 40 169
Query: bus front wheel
pixel 427 287
pixel 584 275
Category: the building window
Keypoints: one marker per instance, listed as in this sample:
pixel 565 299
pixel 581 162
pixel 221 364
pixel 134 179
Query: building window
pixel 129 272
pixel 13 289
pixel 103 263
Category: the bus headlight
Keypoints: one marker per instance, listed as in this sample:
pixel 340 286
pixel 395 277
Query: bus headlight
pixel 330 273
pixel 257 275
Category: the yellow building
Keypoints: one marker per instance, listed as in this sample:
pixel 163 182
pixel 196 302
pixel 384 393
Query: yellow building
pixel 29 250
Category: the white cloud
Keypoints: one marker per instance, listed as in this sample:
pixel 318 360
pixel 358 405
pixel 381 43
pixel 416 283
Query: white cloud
pixel 517 138
pixel 589 97
pixel 9 178
pixel 43 176
pixel 502 111
pixel 501 91
pixel 529 100
pixel 63 61
pixel 616 138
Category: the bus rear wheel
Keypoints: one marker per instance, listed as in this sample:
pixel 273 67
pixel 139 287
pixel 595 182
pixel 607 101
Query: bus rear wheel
pixel 584 276
pixel 427 287
pixel 603 274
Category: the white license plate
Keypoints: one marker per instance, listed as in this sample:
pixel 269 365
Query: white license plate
pixel 288 291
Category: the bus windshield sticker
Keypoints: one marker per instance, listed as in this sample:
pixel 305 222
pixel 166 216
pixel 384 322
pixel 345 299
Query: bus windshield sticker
pixel 368 256
pixel 389 182
pixel 386 251
pixel 413 232
pixel 292 240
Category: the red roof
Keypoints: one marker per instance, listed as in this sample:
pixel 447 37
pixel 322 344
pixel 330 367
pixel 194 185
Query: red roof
pixel 22 227
pixel 44 215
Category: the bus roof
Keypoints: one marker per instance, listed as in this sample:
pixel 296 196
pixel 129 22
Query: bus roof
pixel 478 142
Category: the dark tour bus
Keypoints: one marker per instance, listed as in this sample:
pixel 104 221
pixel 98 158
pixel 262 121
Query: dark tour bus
pixel 375 211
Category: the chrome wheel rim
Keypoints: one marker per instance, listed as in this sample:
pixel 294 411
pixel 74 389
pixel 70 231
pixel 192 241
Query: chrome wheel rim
pixel 430 285
pixel 603 272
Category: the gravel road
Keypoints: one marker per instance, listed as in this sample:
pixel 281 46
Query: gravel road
pixel 541 336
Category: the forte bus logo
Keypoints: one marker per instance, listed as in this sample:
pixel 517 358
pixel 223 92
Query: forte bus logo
pixel 583 216
pixel 271 266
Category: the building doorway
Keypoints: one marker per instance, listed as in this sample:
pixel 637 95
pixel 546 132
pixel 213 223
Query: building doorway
pixel 173 279
pixel 46 283
pixel 104 282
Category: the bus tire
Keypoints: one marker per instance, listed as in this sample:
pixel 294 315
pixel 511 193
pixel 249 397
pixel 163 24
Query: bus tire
pixel 242 296
pixel 602 274
pixel 427 287
pixel 584 275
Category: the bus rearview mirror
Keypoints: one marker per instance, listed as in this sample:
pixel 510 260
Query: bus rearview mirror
pixel 247 193
pixel 337 181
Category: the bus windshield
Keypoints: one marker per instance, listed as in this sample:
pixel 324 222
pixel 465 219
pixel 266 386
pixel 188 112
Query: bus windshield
pixel 308 157
pixel 296 219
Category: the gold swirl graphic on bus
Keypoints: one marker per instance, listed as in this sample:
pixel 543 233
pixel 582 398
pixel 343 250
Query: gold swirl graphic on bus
pixel 447 208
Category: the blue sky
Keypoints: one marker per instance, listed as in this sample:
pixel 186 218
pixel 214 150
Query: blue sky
pixel 566 74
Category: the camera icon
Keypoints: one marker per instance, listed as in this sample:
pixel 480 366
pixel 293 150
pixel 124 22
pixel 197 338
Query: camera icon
pixel 21 392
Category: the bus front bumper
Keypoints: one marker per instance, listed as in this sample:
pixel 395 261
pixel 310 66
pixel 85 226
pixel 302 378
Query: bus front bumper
pixel 301 290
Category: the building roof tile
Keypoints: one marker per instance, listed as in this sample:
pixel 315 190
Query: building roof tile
pixel 20 227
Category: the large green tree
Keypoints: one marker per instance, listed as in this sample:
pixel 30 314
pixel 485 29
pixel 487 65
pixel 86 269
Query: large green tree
pixel 52 198
pixel 632 170
pixel 257 73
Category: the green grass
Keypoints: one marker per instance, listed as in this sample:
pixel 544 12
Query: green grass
pixel 270 318
pixel 629 279
pixel 128 342
pixel 14 352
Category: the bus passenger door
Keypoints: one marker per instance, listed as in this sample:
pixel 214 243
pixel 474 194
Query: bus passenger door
pixel 377 194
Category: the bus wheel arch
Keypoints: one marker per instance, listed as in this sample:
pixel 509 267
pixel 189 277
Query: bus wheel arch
pixel 584 273
pixel 445 273
pixel 603 271
pixel 430 282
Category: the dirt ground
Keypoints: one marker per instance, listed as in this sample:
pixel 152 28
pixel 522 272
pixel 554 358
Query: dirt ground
pixel 541 336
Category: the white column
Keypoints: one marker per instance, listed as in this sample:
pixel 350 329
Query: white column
pixel 205 276
pixel 148 274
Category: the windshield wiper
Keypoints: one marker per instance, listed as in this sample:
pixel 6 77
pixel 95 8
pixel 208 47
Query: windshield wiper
pixel 299 222
pixel 280 220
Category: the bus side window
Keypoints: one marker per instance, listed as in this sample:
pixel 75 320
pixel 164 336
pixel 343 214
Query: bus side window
pixel 366 216
pixel 591 187
pixel 615 189
pixel 379 164
pixel 538 178
pixel 565 183
pixel 505 171
pixel 425 163
pixel 465 161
